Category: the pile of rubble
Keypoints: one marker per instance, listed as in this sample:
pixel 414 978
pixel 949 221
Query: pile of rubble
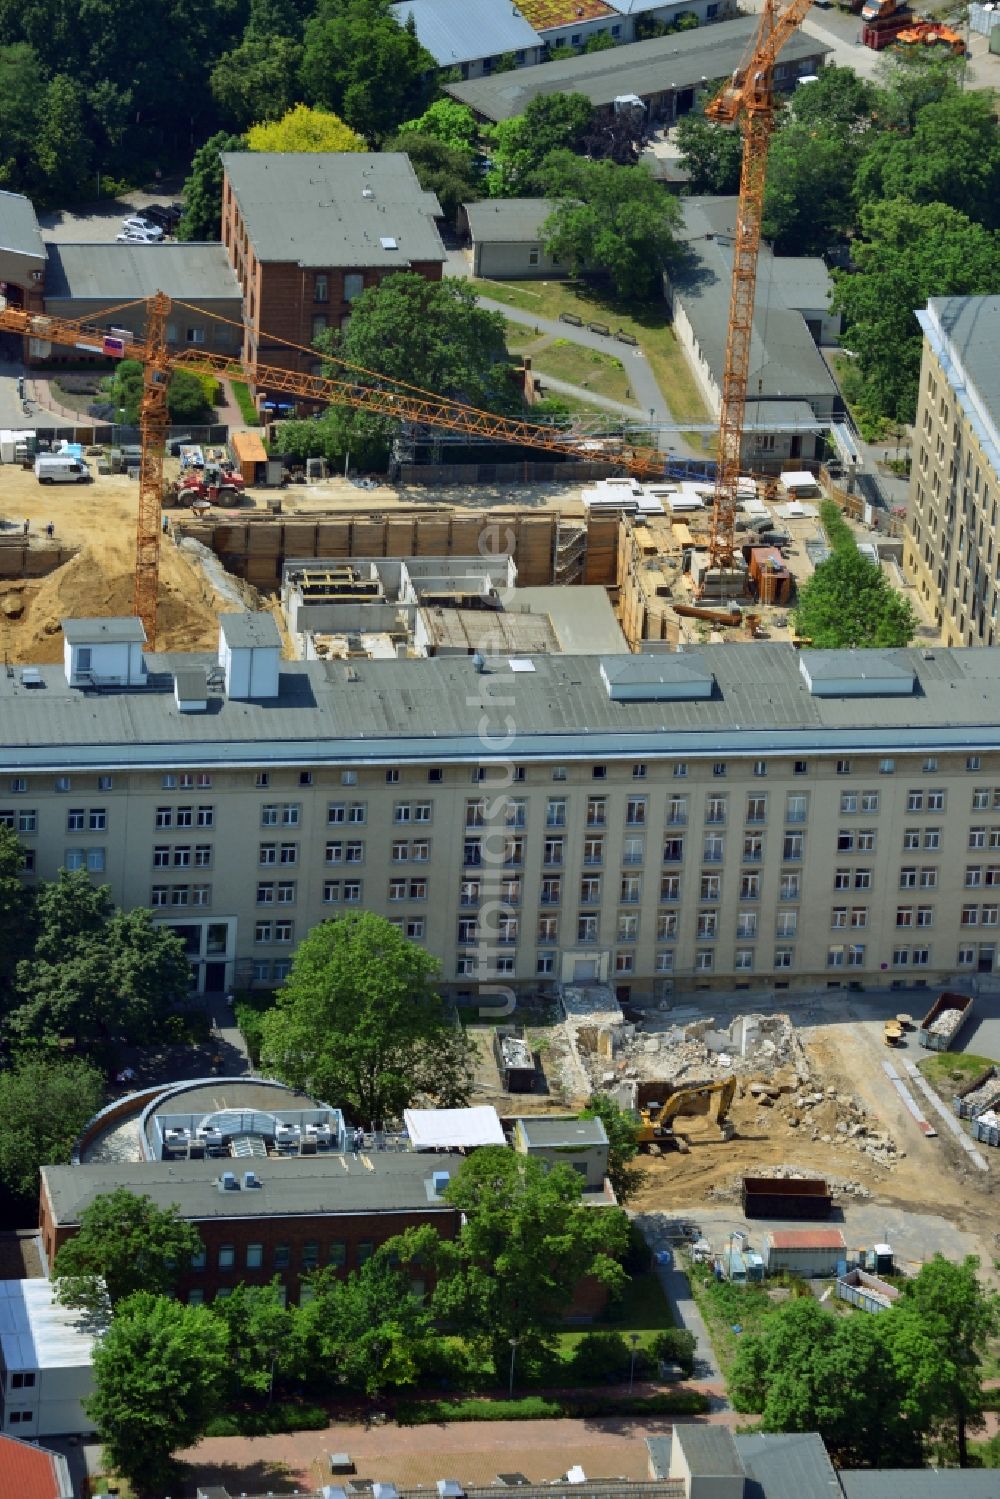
pixel 983 1096
pixel 827 1117
pixel 840 1186
pixel 632 1051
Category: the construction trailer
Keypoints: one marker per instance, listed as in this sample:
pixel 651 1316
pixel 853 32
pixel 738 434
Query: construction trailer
pixel 813 1253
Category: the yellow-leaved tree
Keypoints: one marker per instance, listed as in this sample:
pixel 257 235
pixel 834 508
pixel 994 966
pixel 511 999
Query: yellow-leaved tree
pixel 304 129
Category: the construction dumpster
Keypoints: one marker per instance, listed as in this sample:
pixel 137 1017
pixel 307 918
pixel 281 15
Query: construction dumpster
pixel 977 1095
pixel 986 1125
pixel 786 1197
pixel 866 1291
pixel 939 1028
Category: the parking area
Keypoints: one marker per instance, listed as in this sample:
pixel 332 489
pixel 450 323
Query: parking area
pixel 96 223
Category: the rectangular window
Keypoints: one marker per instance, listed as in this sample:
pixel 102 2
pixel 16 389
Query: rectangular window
pixel 676 811
pixel 227 1256
pixel 790 886
pixel 796 808
pixel 783 957
pixel 787 923
pixel 666 926
pixel 262 779
pixel 756 809
pixel 286 892
pixel 255 1256
pixel 268 853
pixel 715 809
pixel 555 813
pixel 586 927
pixel 670 887
pixel 639 770
pixel 792 846
pixel 760 767
pixel 714 850
pixel 749 887
pixel 635 811
pixel 289 853
pixel 848 801
pixel 75 820
pixel 633 850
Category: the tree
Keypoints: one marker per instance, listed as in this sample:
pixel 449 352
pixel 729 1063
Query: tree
pixel 159 1375
pixel 16 909
pixel 95 971
pixel 125 1244
pixel 810 180
pixel 304 129
pixel 202 192
pixel 847 603
pixel 447 121
pixel 359 62
pixel 911 80
pixel 62 147
pixel 952 156
pixel 359 1022
pixel 609 218
pixel 939 1333
pixel 449 172
pixel 711 154
pixel 838 101
pixel 367 1331
pixel 623 1145
pixel 22 103
pixel 525 1243
pixel 257 80
pixel 44 1104
pixel 260 1331
pixel 909 252
pixel 519 146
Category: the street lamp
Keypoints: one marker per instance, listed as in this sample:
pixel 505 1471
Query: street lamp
pixel 634 1339
pixel 513 1354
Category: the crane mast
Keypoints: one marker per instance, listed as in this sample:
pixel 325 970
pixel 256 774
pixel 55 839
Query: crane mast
pixel 747 99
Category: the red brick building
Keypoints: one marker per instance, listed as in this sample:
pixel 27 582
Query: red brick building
pixel 307 232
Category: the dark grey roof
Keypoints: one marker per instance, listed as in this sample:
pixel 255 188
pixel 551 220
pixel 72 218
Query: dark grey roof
pixel 97 631
pixel 119 273
pixel 963 331
pixel 310 207
pixel 508 221
pixel 784 360
pixel 19 229
pixel 654 667
pixel 787 1466
pixel 643 68
pixel 253 630
pixel 555 1132
pixel 301 1185
pixel 454 34
pixel 710 1450
pixel 882 666
pixel 394 712
pixel 920 1483
pixel 189 683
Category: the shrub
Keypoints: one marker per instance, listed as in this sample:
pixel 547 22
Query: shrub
pixel 269 1420
pixel 243 399
pixel 535 1408
pixel 675 1345
pixel 600 1357
pixel 248 1010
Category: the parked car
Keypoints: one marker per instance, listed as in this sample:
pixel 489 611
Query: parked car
pixel 165 216
pixel 137 237
pixel 140 225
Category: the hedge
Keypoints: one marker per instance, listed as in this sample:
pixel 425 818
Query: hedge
pixel 270 1420
pixel 541 1408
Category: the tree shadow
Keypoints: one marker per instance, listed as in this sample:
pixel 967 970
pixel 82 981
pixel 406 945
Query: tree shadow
pixel 260 1477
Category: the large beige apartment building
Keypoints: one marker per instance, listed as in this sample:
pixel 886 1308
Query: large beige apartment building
pixel 952 548
pixel 733 815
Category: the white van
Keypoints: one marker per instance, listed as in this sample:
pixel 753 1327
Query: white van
pixel 61 468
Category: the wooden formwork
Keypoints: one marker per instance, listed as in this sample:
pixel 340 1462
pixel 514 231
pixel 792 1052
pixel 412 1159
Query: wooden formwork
pixel 19 559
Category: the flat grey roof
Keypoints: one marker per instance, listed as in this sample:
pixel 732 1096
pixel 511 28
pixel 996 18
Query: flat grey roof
pixel 656 668
pixel 96 631
pixel 299 1185
pixel 787 1465
pixel 644 68
pixel 710 1450
pixel 310 207
pixel 397 712
pixel 19 231
pixel 875 665
pixel 920 1483
pixel 784 360
pixel 508 221
pixel 570 1131
pixel 582 616
pixel 454 34
pixel 962 331
pixel 250 630
pixel 119 273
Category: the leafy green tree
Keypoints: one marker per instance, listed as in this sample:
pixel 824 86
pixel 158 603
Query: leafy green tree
pixel 367 1331
pixel 447 121
pixel 359 1022
pixel 609 218
pixel 125 1244
pixel 911 81
pixel 257 80
pixel 159 1376
pixel 22 104
pixel 623 1145
pixel 360 63
pixel 839 101
pixel 449 172
pixel 261 1339
pixel 808 200
pixel 304 129
pixel 909 252
pixel 44 1104
pixel 185 394
pixel 525 1243
pixel 202 192
pixel 939 1333
pixel 952 156
pixel 848 603
pixel 17 915
pixel 712 155
pixel 519 146
pixel 62 148
pixel 95 971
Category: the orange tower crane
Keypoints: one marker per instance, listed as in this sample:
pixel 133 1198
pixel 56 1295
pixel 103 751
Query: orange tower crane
pixel 747 100
pixel 361 389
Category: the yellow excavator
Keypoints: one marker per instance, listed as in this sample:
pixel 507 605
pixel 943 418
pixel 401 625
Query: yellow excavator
pixel 713 1098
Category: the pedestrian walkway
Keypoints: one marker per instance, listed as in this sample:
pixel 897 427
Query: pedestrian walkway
pixel 683 1307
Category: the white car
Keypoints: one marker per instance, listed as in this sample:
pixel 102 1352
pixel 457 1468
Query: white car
pixel 136 237
pixel 138 225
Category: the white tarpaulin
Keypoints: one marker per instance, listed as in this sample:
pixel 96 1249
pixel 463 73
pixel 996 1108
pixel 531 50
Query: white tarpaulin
pixel 450 1129
pixel 799 479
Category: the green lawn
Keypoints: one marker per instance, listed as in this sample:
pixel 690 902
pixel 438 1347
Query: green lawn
pixel 599 373
pixel 243 399
pixel 948 1071
pixel 648 324
pixel 643 1309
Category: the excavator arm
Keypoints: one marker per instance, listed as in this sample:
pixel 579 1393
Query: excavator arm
pixel 697 1099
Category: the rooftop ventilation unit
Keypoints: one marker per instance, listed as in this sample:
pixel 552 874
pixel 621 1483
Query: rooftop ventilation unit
pixel 228 1182
pixel 31 677
pixel 251 1179
pixel 440 1180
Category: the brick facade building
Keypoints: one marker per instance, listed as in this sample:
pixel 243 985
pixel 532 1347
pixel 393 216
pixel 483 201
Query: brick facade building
pixel 307 232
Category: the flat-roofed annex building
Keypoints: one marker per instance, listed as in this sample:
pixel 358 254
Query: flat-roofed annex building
pixel 952 541
pixel 741 814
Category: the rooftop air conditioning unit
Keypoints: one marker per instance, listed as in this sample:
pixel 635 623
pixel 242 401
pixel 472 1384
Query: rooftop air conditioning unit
pixel 251 1179
pixel 229 1182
